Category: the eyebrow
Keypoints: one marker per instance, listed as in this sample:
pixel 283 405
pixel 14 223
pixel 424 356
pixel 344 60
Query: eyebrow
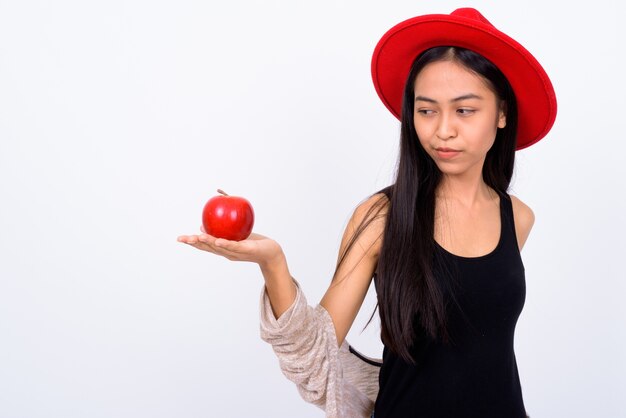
pixel 456 99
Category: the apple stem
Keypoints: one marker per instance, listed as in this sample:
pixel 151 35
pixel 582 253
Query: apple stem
pixel 222 192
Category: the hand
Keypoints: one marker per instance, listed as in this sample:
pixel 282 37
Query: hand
pixel 256 248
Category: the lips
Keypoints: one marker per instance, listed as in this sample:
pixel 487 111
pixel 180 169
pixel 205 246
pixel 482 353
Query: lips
pixel 446 153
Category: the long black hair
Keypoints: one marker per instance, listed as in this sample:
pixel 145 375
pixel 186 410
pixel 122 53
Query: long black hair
pixel 410 297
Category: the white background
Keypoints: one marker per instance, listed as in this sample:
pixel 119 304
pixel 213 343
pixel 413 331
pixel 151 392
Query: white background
pixel 120 118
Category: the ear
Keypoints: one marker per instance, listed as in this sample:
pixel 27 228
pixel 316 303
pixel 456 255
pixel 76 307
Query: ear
pixel 502 115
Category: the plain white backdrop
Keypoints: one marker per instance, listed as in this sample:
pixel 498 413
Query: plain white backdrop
pixel 120 118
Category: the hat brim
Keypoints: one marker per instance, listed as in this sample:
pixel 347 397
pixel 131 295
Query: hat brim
pixel 398 48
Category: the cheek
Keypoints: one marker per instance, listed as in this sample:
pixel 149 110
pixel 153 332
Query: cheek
pixel 421 135
pixel 421 130
pixel 489 138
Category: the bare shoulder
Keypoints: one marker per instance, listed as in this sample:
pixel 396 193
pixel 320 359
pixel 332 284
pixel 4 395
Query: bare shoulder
pixel 368 220
pixel 524 220
pixel 375 206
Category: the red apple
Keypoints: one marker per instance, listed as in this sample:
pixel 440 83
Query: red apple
pixel 229 217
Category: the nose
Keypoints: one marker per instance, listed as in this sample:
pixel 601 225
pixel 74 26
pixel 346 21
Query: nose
pixel 445 127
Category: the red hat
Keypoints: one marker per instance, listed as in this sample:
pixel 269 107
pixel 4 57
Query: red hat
pixel 466 28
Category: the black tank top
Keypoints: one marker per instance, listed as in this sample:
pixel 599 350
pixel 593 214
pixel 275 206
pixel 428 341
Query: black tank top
pixel 476 374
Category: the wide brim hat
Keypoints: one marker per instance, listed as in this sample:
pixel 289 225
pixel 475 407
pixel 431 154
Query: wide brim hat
pixel 466 28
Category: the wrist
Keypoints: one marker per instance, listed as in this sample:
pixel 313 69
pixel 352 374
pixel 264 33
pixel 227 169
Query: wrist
pixel 279 284
pixel 275 265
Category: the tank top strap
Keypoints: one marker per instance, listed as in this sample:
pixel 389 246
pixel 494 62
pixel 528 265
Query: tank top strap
pixel 509 236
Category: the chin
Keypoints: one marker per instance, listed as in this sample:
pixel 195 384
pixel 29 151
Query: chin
pixel 448 171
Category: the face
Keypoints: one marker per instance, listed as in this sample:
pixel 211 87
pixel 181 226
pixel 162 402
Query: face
pixel 456 117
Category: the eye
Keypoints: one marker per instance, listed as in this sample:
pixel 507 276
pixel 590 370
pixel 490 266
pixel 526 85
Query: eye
pixel 425 112
pixel 466 111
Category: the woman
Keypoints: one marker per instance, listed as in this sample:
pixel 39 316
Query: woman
pixel 442 243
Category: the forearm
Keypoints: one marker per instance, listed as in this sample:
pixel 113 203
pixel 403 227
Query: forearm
pixel 304 342
pixel 279 285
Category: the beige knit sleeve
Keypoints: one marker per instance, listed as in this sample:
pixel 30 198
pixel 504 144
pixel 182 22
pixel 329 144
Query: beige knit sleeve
pixel 305 343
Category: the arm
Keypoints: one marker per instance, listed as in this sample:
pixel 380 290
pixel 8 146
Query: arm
pixel 309 341
pixel 279 285
pixel 524 220
pixel 348 288
pixel 259 249
pixel 347 291
pixel 350 282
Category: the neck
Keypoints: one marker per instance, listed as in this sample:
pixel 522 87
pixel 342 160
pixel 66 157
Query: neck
pixel 469 190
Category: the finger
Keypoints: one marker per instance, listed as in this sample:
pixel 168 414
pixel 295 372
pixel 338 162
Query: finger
pixel 204 247
pixel 196 239
pixel 187 239
pixel 206 242
pixel 197 242
pixel 230 255
pixel 228 245
pixel 202 229
pixel 255 236
pixel 207 239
